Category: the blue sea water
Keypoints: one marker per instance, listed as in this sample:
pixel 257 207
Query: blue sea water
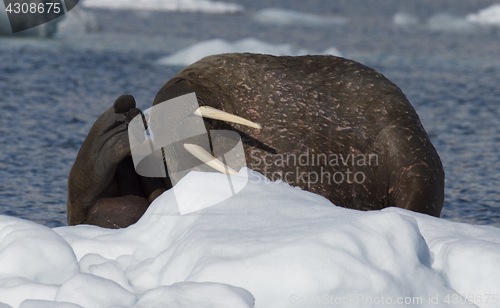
pixel 52 90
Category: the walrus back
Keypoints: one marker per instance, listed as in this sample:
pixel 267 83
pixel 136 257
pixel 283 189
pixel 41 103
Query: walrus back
pixel 321 119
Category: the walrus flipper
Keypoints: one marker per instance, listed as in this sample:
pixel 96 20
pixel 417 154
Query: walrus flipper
pixel 416 176
pixel 103 187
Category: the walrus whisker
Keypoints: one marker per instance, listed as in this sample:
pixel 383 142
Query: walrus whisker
pixel 212 113
pixel 208 159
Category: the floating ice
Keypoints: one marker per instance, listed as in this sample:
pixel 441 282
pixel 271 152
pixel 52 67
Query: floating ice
pixel 489 16
pixel 77 21
pixel 484 19
pixel 284 17
pixel 271 242
pixel 405 19
pixel 201 6
pixel 332 51
pixel 200 50
pixel 450 23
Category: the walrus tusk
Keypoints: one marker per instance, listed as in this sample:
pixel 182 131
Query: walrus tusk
pixel 208 159
pixel 212 113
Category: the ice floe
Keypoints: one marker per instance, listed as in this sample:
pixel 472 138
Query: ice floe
pixel 489 16
pixel 284 17
pixel 271 243
pixel 202 49
pixel 201 6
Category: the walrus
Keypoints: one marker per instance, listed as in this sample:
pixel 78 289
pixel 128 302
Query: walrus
pixel 329 125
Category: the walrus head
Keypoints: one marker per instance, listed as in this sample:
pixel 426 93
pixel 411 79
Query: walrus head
pixel 197 148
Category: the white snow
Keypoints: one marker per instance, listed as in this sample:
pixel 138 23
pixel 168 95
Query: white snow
pixel 277 244
pixel 224 187
pixel 202 6
pixel 202 49
pixel 284 17
pixel 489 16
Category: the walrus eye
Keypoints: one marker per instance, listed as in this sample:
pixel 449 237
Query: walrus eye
pixel 208 159
pixel 212 113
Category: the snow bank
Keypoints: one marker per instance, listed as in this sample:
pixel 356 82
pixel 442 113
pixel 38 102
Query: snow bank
pixel 489 16
pixel 284 17
pixel 277 244
pixel 200 50
pixel 201 6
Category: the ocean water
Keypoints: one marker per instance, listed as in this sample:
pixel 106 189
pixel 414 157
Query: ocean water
pixel 52 90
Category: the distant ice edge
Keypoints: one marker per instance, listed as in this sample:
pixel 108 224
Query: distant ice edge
pixel 202 49
pixel 195 6
pixel 485 19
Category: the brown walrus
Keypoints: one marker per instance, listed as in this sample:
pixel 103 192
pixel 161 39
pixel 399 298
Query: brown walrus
pixel 329 125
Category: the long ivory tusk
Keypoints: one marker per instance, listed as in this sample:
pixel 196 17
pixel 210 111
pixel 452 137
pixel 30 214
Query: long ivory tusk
pixel 212 113
pixel 208 159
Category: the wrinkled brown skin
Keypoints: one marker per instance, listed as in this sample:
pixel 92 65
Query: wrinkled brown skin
pixel 309 104
pixel 103 187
